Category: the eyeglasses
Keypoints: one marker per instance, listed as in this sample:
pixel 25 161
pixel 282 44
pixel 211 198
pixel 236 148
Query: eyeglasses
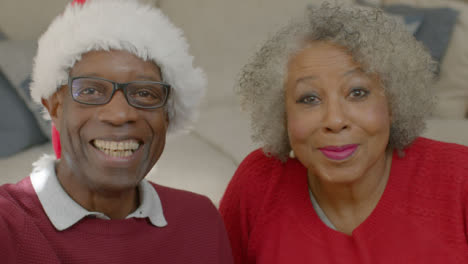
pixel 99 91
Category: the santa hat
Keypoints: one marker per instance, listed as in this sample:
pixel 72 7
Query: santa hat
pixel 121 25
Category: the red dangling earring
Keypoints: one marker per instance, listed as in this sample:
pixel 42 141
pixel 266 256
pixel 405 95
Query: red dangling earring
pixel 56 142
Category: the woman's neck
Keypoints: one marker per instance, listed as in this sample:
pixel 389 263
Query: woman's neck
pixel 349 204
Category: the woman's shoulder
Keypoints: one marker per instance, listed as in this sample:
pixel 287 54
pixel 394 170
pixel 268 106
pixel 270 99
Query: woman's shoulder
pixel 259 164
pixel 434 160
pixel 437 149
pixel 256 178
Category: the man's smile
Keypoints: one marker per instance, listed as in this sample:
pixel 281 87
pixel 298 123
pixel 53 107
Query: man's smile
pixel 113 148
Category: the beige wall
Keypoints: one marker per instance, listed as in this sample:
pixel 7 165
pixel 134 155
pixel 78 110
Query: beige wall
pixel 224 33
pixel 27 19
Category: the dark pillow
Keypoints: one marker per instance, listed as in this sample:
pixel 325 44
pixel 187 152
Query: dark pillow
pixel 436 27
pixel 18 127
pixel 16 58
pixel 2 35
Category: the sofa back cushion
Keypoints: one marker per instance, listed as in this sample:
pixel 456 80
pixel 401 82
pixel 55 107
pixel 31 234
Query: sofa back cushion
pixel 452 86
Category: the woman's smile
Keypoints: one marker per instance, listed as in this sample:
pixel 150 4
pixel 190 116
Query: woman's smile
pixel 339 153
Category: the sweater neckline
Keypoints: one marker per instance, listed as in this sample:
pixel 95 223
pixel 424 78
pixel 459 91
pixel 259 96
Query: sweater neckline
pixel 88 224
pixel 309 221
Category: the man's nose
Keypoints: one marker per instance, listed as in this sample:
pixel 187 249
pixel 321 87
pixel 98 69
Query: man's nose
pixel 117 111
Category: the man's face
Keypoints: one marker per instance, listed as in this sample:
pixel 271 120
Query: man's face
pixel 108 147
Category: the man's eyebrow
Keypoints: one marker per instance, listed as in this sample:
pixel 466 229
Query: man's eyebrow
pixel 148 78
pixel 138 77
pixel 87 74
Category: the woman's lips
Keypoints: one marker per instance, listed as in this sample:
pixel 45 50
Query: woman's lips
pixel 339 152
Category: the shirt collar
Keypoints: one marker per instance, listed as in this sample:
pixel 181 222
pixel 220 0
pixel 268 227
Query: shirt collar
pixel 64 212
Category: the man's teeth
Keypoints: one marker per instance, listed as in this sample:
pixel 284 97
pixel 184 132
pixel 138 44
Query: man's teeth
pixel 117 148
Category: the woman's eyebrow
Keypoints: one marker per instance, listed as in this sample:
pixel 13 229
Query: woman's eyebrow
pixel 355 70
pixel 306 78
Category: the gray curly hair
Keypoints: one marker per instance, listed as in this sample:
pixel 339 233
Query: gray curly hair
pixel 377 41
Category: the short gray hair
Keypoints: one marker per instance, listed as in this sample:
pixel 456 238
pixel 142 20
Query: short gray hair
pixel 377 41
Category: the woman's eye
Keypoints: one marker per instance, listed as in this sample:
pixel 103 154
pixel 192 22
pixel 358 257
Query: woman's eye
pixel 309 99
pixel 358 93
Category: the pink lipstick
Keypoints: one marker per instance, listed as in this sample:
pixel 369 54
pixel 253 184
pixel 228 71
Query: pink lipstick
pixel 339 152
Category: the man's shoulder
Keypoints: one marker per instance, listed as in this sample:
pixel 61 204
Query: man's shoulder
pixel 17 192
pixel 12 213
pixel 19 202
pixel 183 202
pixel 169 193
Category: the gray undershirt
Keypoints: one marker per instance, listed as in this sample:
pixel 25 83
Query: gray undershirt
pixel 320 212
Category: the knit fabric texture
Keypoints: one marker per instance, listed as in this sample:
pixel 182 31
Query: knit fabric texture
pixel 195 233
pixel 420 218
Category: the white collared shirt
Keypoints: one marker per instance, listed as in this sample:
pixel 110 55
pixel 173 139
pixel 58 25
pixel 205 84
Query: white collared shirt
pixel 64 212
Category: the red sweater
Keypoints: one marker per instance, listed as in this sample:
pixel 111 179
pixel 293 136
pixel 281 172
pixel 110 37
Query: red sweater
pixel 195 233
pixel 420 218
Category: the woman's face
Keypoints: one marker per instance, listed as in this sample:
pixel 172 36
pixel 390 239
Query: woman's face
pixel 338 118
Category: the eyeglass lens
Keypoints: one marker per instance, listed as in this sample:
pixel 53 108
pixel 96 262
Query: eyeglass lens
pixel 139 93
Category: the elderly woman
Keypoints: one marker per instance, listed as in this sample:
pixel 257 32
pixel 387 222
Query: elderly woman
pixel 338 100
pixel 115 77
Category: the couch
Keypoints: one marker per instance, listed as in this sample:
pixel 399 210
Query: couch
pixel 223 34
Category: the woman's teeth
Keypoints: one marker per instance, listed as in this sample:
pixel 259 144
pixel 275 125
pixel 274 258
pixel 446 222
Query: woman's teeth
pixel 117 148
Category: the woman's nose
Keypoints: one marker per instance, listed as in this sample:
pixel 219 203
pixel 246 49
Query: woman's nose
pixel 335 117
pixel 117 111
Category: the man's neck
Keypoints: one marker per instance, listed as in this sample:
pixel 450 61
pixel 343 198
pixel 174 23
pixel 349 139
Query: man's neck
pixel 116 204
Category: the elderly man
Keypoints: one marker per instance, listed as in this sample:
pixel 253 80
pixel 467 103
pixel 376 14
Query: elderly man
pixel 114 76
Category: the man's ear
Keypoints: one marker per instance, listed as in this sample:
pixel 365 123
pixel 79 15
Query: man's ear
pixel 53 104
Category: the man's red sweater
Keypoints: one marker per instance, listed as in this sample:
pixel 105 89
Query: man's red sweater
pixel 195 233
pixel 421 217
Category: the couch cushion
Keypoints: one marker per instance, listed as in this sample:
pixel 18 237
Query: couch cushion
pixel 436 28
pixel 226 128
pixel 2 35
pixel 190 163
pixel 452 86
pixel 454 131
pixel 19 166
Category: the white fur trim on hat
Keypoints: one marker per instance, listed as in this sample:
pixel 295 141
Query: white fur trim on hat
pixel 122 25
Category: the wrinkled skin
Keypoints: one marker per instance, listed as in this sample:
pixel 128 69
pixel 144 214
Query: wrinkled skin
pixel 95 180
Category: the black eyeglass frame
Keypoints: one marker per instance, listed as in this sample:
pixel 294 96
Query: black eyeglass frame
pixel 120 86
